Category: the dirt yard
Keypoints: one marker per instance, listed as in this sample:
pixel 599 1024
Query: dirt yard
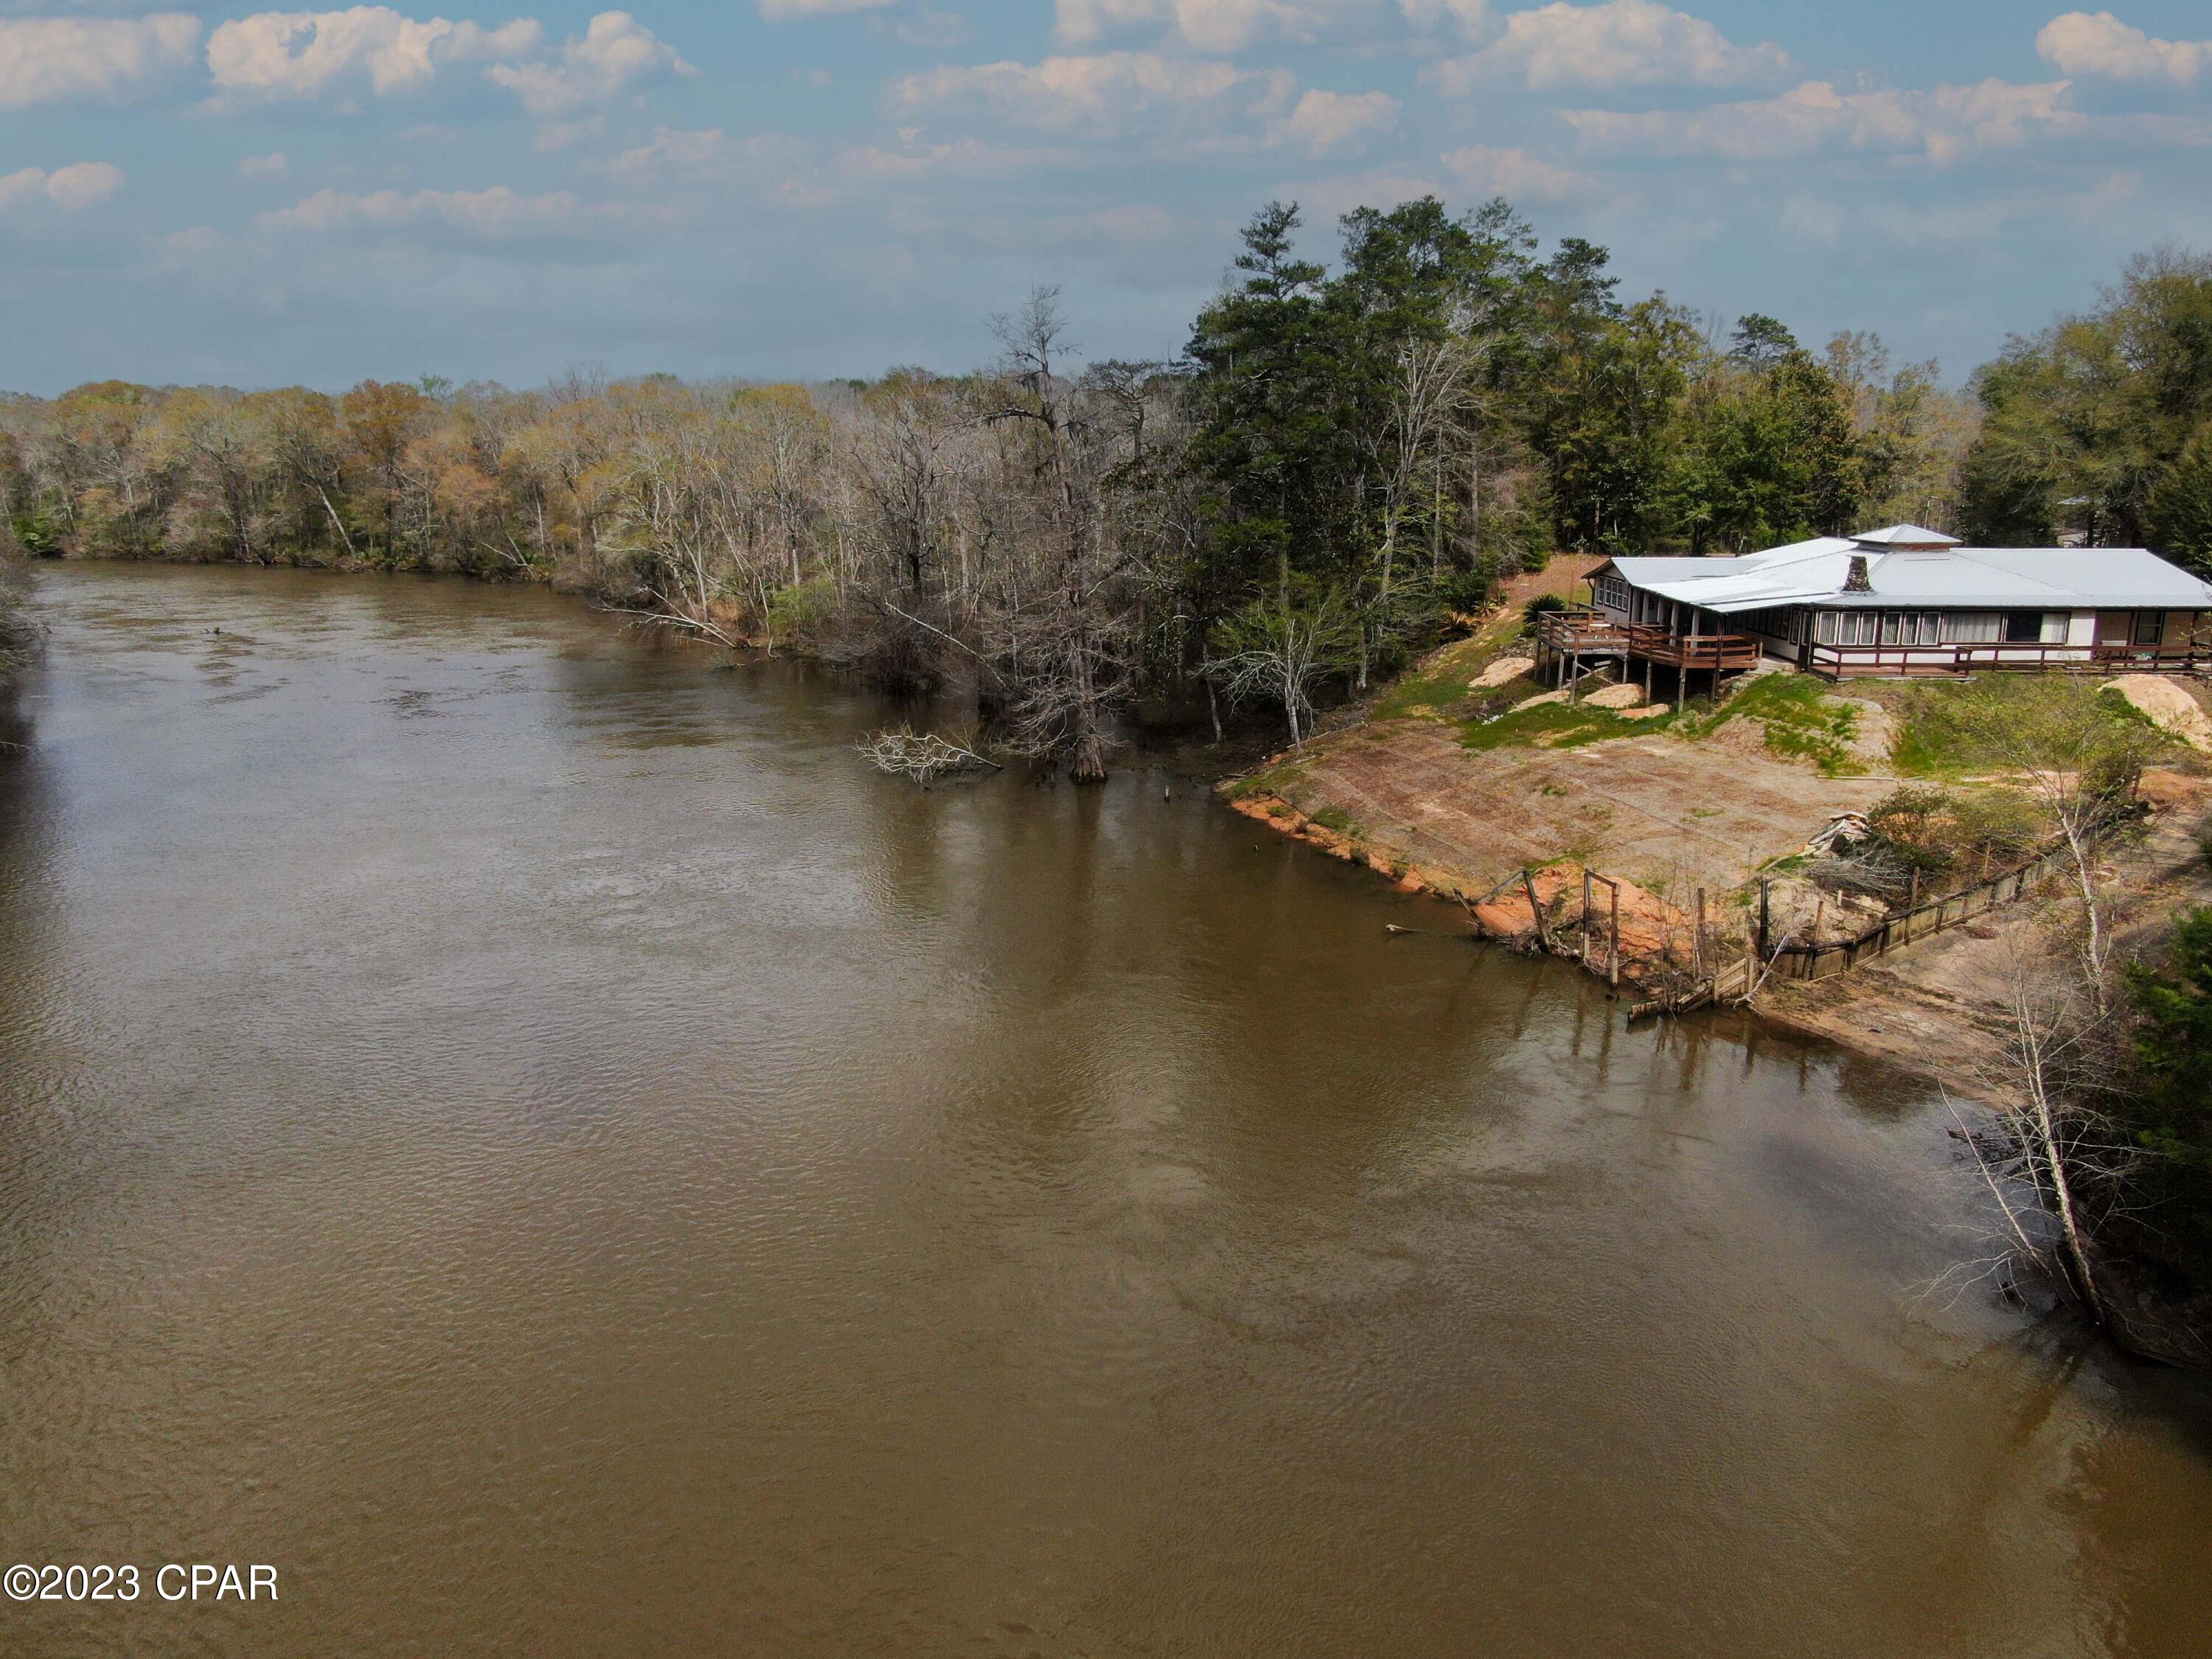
pixel 1668 815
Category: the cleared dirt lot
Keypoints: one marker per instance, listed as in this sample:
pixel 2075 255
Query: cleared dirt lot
pixel 1665 814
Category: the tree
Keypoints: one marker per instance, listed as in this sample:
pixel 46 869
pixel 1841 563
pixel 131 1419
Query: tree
pixel 1280 649
pixel 2086 423
pixel 379 419
pixel 2181 511
pixel 1070 656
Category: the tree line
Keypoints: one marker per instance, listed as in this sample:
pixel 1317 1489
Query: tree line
pixel 1339 464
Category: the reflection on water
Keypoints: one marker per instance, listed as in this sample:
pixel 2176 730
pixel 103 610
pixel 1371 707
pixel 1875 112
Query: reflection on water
pixel 524 1131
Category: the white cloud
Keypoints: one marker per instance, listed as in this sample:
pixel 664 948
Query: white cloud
pixel 1623 43
pixel 304 54
pixel 495 214
pixel 672 151
pixel 1324 200
pixel 564 134
pixel 1943 123
pixel 48 59
pixel 615 53
pixel 778 169
pixel 1468 18
pixel 1323 121
pixel 1221 25
pixel 1108 94
pixel 263 168
pixel 937 31
pixel 966 158
pixel 2084 43
pixel 779 11
pixel 1517 176
pixel 80 185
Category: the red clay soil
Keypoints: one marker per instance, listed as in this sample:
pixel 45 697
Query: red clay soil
pixel 1666 815
pixel 1653 933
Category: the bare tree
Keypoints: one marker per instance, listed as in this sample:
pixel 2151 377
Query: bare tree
pixel 1068 639
pixel 924 756
pixel 1281 652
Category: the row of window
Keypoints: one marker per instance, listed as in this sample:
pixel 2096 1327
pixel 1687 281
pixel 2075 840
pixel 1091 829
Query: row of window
pixel 1967 628
pixel 1940 627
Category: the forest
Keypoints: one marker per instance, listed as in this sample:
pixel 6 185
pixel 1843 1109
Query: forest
pixel 1338 462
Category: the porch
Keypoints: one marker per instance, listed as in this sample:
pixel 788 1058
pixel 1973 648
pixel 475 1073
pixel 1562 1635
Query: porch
pixel 1583 635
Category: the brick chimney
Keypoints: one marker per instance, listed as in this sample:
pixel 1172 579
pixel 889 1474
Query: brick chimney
pixel 1858 581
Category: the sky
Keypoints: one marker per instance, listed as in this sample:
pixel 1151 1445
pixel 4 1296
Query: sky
pixel 816 188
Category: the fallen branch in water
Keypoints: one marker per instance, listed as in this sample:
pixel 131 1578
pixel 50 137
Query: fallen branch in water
pixel 925 756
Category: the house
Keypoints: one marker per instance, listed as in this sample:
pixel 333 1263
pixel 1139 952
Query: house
pixel 1895 603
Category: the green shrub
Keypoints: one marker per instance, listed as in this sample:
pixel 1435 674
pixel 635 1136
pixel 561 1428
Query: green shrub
pixel 798 613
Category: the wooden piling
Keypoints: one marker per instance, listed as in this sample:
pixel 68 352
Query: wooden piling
pixel 1536 908
pixel 1586 917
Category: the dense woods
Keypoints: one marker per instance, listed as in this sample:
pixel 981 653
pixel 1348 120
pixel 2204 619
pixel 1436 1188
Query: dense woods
pixel 1339 463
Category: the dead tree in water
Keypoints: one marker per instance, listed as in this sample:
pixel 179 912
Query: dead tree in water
pixel 2052 1136
pixel 925 756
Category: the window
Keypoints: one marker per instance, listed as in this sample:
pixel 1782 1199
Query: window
pixel 1971 627
pixel 1612 592
pixel 2149 627
pixel 2023 628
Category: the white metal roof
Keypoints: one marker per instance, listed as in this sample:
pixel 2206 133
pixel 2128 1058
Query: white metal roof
pixel 1953 577
pixel 1907 535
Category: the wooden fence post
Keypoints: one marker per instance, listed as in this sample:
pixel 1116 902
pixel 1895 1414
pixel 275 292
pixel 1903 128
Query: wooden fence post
pixel 1697 959
pixel 1586 917
pixel 1616 934
pixel 1543 933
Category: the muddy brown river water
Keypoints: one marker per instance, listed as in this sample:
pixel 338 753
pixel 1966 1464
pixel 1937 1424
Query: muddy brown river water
pixel 524 1133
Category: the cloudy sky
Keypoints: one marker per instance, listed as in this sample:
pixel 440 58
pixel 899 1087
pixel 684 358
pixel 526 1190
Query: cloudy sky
pixel 788 188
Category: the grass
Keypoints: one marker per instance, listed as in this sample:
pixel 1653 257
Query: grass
pixel 1437 687
pixel 1273 782
pixel 1953 730
pixel 1551 725
pixel 1800 722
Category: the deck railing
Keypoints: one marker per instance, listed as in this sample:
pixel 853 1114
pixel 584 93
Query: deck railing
pixel 1839 662
pixel 1580 631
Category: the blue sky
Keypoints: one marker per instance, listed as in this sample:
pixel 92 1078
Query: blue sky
pixel 818 187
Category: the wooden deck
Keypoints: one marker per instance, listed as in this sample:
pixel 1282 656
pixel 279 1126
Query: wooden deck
pixel 1587 634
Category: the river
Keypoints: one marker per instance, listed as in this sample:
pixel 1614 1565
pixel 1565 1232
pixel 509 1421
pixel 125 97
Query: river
pixel 521 1130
